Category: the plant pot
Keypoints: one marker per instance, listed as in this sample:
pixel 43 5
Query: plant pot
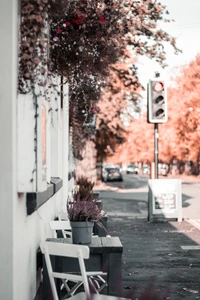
pixel 82 232
pixel 101 230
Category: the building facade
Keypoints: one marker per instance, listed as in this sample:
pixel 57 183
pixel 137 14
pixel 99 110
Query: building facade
pixel 36 173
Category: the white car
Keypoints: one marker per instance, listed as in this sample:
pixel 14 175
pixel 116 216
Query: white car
pixel 146 169
pixel 132 169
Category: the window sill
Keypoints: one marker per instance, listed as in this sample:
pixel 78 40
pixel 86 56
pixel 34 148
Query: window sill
pixel 35 200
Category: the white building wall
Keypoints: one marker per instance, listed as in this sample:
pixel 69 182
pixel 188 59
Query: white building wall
pixel 8 182
pixel 20 234
pixel 29 232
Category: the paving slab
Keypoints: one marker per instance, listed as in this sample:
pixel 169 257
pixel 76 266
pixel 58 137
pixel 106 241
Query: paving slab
pixel 154 251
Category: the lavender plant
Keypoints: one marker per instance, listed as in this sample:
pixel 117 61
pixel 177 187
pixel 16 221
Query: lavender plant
pixel 85 182
pixel 83 209
pixel 85 188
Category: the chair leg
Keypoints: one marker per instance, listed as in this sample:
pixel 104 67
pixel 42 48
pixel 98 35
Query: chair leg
pixel 96 282
pixel 98 279
pixel 71 291
pixel 92 284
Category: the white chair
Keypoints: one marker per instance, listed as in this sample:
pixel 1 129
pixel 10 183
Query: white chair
pixel 63 216
pixel 76 251
pixel 64 226
pixel 95 278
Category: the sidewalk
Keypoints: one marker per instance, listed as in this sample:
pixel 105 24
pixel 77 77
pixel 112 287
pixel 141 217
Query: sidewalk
pixel 157 250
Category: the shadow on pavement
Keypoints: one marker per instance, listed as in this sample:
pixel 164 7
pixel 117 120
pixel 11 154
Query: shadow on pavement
pixel 184 200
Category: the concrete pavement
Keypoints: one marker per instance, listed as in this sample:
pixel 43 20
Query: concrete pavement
pixel 168 252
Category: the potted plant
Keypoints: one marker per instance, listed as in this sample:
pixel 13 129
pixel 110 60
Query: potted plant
pixel 85 186
pixel 83 213
pixel 84 182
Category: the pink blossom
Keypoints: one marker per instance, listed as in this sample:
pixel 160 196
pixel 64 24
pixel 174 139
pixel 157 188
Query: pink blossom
pixel 102 20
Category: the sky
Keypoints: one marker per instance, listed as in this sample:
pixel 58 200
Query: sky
pixel 186 29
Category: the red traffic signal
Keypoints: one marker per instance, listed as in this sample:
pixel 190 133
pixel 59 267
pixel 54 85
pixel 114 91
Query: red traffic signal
pixel 157 101
pixel 159 87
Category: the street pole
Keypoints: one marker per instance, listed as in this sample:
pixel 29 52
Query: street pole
pixel 156 136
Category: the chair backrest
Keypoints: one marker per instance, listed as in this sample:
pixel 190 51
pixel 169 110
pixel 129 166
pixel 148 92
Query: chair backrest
pixel 60 225
pixel 67 250
pixel 62 215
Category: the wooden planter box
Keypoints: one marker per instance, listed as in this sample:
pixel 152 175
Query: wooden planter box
pixel 98 230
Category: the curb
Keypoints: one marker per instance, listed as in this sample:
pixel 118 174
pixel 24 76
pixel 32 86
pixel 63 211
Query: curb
pixel 195 223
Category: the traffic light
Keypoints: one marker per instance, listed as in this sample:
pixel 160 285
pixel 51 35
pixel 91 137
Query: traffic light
pixel 157 101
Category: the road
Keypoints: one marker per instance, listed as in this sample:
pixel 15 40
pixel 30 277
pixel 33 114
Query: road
pixel 130 197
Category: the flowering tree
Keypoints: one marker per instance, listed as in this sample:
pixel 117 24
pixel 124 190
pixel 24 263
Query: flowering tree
pixel 83 43
pixel 179 137
pixel 121 91
pixel 138 146
pixel 123 86
pixel 186 120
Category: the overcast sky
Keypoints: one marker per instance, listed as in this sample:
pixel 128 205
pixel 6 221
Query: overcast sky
pixel 186 29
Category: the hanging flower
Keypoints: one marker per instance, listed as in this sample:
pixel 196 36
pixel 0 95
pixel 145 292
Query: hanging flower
pixel 66 23
pixel 102 20
pixel 75 21
pixel 55 39
pixel 80 17
pixel 95 109
pixel 59 30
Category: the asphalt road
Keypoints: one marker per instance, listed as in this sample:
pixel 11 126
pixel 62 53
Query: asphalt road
pixel 130 197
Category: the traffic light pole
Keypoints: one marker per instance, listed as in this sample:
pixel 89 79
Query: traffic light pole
pixel 156 136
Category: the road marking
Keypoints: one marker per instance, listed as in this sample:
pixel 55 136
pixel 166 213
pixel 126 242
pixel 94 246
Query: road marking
pixel 190 247
pixel 124 214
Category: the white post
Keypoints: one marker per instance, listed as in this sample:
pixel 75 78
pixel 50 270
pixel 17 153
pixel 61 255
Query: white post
pixel 8 168
pixel 65 143
pixel 56 131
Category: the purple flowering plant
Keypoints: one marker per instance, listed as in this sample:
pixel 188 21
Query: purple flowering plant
pixel 83 208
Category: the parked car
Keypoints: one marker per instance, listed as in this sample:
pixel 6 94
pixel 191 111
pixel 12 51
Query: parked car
pixel 162 169
pixel 146 169
pixel 111 173
pixel 132 169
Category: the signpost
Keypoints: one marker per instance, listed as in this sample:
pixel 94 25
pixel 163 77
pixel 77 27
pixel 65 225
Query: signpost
pixel 157 109
pixel 164 199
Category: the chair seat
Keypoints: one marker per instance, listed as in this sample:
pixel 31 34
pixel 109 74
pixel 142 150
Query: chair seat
pixel 82 296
